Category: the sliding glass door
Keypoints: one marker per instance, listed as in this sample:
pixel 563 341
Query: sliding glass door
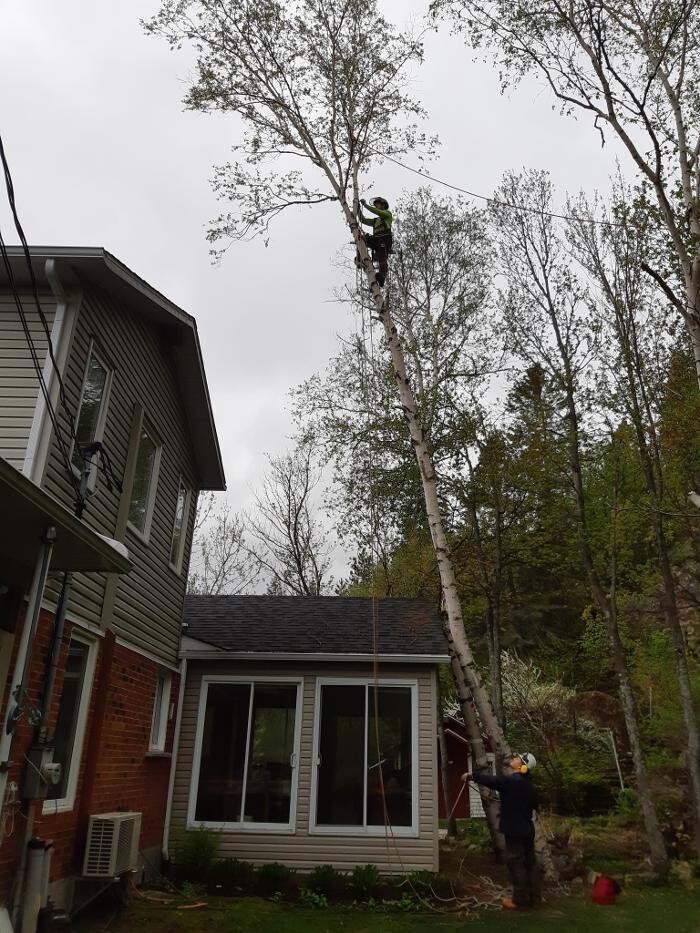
pixel 246 769
pixel 366 751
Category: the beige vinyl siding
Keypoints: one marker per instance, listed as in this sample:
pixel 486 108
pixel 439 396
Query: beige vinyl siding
pixel 19 383
pixel 148 603
pixel 303 850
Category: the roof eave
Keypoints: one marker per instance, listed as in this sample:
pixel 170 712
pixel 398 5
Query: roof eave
pixel 222 654
pixel 195 396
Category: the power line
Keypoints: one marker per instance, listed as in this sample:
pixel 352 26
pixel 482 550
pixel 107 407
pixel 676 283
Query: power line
pixel 35 294
pixel 60 440
pixel 36 363
pixel 516 207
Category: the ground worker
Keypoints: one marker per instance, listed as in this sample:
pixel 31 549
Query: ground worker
pixel 518 801
pixel 380 240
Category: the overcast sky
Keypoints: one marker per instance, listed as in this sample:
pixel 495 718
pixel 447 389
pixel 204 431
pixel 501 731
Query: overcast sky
pixel 103 154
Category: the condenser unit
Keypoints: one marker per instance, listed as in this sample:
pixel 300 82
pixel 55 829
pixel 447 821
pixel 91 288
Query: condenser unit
pixel 112 845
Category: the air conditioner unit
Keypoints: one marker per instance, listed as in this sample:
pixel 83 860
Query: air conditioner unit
pixel 112 845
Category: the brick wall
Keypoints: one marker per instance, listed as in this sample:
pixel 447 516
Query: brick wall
pixel 116 770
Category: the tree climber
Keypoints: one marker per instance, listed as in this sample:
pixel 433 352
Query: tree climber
pixel 380 241
pixel 518 801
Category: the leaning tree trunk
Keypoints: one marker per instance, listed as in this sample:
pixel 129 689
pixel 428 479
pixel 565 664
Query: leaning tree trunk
pixel 474 699
pixel 478 695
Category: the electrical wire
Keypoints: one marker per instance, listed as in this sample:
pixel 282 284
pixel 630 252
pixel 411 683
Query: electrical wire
pixel 515 207
pixel 9 185
pixel 37 365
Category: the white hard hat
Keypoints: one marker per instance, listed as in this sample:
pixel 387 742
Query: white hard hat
pixel 528 760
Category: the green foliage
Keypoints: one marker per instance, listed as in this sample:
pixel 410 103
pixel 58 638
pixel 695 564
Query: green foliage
pixel 313 899
pixel 364 880
pixel 476 834
pixel 407 903
pixel 194 852
pixel 325 879
pixel 191 893
pixel 594 666
pixel 231 874
pixel 272 877
pixel 627 808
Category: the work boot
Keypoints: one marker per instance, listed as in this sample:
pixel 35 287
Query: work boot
pixel 508 904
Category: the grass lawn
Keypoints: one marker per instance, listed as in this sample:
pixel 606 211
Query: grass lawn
pixel 675 909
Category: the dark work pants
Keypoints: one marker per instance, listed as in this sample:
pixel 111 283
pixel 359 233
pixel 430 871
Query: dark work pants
pixel 523 870
pixel 380 253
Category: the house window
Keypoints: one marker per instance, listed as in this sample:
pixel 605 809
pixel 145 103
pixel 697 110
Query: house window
pixel 159 722
pixel 92 411
pixel 245 771
pixel 179 527
pixel 69 730
pixel 366 751
pixel 143 490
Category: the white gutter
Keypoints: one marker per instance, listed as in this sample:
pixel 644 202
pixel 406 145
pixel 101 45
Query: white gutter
pixel 213 654
pixel 61 337
pixel 173 760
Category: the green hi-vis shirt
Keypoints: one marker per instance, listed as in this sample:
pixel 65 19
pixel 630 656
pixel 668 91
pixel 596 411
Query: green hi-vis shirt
pixel 381 223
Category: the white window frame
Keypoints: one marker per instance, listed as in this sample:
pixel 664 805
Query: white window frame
pixel 64 804
pixel 176 566
pixel 324 830
pixel 272 828
pixel 153 489
pixel 102 414
pixel 156 743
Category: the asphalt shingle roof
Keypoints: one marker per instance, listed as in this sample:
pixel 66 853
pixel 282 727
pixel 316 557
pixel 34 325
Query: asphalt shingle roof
pixel 314 625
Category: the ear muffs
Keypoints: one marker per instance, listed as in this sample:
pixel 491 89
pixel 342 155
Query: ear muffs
pixel 524 769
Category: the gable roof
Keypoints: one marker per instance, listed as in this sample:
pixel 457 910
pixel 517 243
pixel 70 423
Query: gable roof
pixel 97 267
pixel 313 626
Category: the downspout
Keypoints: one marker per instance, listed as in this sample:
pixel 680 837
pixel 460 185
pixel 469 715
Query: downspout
pixel 173 760
pixel 24 649
pixel 21 898
pixel 56 645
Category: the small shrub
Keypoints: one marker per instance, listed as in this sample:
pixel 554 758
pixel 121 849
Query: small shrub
pixel 272 878
pixel 364 880
pixel 407 903
pixel 627 808
pixel 324 879
pixel 312 899
pixel 194 852
pixel 233 875
pixel 476 834
pixel 191 893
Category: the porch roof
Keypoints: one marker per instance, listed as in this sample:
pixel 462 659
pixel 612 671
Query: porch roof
pixel 27 512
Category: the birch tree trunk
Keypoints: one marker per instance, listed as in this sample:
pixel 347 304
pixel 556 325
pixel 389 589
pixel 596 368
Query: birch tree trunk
pixel 475 703
pixel 478 696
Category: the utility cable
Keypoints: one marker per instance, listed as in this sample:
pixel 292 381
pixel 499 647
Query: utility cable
pixel 515 207
pixel 9 185
pixel 37 364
